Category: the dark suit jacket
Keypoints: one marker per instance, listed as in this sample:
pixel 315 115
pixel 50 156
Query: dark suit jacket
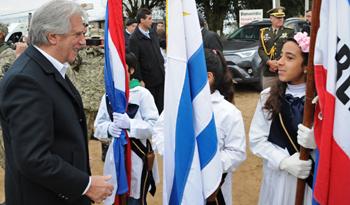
pixel 150 60
pixel 126 37
pixel 211 40
pixel 45 135
pixel 306 29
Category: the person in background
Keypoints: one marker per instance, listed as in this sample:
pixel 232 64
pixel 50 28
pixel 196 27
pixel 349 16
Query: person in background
pixel 211 39
pixel 139 119
pixel 270 44
pixel 42 116
pixel 162 43
pixel 276 133
pixel 228 121
pixel 160 26
pixel 130 28
pixel 144 43
pixel 7 57
pixel 87 74
pixel 307 28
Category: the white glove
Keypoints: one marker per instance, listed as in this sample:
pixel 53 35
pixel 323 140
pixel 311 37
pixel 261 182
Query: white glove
pixel 114 130
pixel 122 120
pixel 296 167
pixel 306 137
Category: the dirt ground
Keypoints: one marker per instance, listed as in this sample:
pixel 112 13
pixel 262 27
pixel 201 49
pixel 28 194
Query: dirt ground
pixel 246 179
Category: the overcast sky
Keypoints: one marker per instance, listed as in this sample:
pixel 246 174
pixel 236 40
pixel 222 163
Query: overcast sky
pixel 22 7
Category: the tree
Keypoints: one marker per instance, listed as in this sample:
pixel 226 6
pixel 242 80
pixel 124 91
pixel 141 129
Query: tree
pixel 216 11
pixel 132 6
pixel 294 8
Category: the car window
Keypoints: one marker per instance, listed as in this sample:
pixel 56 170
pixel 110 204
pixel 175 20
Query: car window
pixel 15 37
pixel 298 25
pixel 248 32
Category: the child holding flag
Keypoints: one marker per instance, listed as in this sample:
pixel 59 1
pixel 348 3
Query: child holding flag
pixel 139 119
pixel 228 121
pixel 276 133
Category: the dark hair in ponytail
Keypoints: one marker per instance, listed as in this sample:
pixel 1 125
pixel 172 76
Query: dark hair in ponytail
pixel 274 102
pixel 217 65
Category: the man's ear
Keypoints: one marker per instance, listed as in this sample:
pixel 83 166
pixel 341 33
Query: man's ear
pixel 52 38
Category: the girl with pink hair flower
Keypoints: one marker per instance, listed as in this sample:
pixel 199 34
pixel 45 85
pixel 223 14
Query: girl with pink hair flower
pixel 276 133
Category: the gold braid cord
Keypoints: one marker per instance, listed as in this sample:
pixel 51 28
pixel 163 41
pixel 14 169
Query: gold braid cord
pixel 272 51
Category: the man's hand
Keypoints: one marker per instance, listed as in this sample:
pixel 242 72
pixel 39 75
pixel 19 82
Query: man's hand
pixel 20 47
pixel 142 83
pixel 99 188
pixel 273 65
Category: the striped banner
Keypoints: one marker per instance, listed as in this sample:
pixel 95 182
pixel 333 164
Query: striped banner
pixel 192 164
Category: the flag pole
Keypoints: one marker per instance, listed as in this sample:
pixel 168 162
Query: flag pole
pixel 310 94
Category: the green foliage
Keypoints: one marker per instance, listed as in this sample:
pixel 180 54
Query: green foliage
pixel 133 6
pixel 216 11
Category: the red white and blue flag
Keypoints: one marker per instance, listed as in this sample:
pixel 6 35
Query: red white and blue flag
pixel 117 89
pixel 332 115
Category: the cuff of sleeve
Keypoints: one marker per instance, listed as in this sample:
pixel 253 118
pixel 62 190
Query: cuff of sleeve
pixel 275 158
pixel 87 187
pixel 109 135
pixel 132 131
pixel 267 62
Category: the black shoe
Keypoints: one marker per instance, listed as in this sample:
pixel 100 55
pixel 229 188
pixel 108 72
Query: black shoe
pixel 91 137
pixel 104 151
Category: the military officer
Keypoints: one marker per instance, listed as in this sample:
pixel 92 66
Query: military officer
pixel 270 45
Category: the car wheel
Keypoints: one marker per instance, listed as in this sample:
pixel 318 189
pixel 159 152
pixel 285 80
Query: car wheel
pixel 259 85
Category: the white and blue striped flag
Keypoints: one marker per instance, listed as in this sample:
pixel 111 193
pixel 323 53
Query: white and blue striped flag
pixel 192 164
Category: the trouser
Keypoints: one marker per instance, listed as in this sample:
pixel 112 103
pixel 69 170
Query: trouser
pixel 90 119
pixel 104 146
pixel 158 95
pixel 269 81
pixel 2 150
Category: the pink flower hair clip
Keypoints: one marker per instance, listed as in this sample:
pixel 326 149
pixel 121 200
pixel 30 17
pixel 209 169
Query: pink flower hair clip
pixel 303 40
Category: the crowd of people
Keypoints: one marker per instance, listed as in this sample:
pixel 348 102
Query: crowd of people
pixel 53 101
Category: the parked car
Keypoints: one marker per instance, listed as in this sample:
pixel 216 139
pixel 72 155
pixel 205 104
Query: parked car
pixel 241 50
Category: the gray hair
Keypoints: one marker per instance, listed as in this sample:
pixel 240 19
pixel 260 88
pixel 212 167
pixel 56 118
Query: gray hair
pixel 201 19
pixel 54 18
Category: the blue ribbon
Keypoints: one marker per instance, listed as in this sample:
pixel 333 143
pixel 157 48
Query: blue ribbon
pixel 296 110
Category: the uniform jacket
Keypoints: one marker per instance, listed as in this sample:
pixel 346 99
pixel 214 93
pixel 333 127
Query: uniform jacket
pixel 150 65
pixel 211 40
pixel 231 139
pixel 141 127
pixel 284 32
pixel 7 57
pixel 88 76
pixel 277 187
pixel 44 128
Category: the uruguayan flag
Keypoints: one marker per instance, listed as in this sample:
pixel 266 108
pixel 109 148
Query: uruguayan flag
pixel 192 165
pixel 117 89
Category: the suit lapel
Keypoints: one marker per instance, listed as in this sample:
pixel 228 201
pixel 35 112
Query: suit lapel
pixel 47 66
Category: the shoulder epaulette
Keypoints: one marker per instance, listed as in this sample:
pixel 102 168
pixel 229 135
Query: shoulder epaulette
pixel 263 29
pixel 290 27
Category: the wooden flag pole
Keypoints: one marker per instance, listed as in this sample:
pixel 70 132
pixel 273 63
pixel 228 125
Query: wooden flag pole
pixel 310 93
